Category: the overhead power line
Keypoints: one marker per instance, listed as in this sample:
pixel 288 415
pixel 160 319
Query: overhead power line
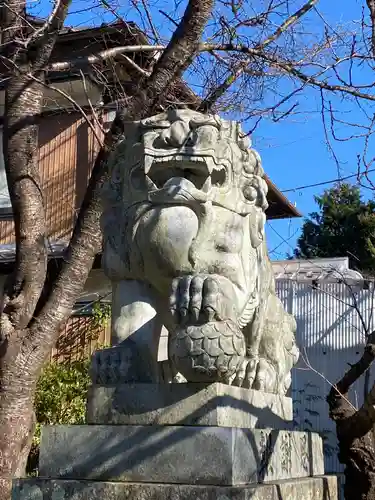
pixel 327 182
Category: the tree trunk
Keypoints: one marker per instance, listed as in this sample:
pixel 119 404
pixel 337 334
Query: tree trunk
pixel 17 420
pixel 34 309
pixel 17 423
pixel 357 453
pixel 355 430
pixel 27 52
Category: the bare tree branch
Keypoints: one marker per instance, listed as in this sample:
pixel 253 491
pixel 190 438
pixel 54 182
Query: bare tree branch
pixel 53 23
pixel 102 56
pixel 289 68
pixel 293 19
pixel 238 70
pixel 358 369
pixel 180 51
pixel 371 7
pixel 135 66
pixel 149 19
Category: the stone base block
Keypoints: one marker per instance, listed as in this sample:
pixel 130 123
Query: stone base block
pixel 178 454
pixel 319 488
pixel 187 404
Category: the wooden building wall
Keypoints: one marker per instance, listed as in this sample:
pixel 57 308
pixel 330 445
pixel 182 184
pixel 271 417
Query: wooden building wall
pixel 67 149
pixel 79 339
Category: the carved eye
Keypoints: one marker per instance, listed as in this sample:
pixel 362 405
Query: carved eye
pixel 201 121
pixel 206 136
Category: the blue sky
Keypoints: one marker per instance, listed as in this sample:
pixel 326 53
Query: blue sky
pixel 294 151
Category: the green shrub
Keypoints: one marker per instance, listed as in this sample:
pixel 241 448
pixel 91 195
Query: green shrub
pixel 60 399
pixel 61 393
pixel 101 314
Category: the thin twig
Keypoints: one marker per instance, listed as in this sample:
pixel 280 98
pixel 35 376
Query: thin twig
pixel 238 70
pixel 94 114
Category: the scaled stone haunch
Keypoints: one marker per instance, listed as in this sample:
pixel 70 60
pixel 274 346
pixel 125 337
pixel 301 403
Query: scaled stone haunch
pixel 210 352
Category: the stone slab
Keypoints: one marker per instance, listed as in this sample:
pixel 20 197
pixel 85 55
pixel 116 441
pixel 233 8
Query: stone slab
pixel 187 404
pixel 178 454
pixel 320 488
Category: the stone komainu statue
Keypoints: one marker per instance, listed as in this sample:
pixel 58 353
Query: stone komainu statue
pixel 184 247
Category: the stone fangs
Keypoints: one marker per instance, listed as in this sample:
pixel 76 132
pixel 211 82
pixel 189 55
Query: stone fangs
pixel 201 171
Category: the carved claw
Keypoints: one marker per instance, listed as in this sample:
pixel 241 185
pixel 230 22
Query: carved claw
pixel 265 379
pixel 259 374
pixel 194 299
pixel 200 299
pixel 247 373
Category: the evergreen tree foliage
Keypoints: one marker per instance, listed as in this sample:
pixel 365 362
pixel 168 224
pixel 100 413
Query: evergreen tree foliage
pixel 344 226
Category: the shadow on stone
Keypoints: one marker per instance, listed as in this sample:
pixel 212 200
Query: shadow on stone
pixel 187 404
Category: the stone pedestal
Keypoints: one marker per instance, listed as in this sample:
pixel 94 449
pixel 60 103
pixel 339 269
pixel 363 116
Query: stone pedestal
pixel 187 404
pixel 318 488
pixel 225 456
pixel 180 442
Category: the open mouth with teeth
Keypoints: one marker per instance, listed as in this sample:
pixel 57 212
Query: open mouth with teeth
pixel 190 173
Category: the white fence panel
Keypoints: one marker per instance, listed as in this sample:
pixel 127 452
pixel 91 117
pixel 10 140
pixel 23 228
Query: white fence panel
pixel 332 319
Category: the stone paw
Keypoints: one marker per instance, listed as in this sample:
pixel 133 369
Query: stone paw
pixel 118 364
pixel 257 373
pixel 201 299
pixel 247 372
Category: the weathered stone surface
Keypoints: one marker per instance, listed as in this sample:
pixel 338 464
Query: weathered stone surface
pixel 290 454
pixel 187 404
pixel 322 488
pixel 120 364
pixel 177 454
pixel 184 247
